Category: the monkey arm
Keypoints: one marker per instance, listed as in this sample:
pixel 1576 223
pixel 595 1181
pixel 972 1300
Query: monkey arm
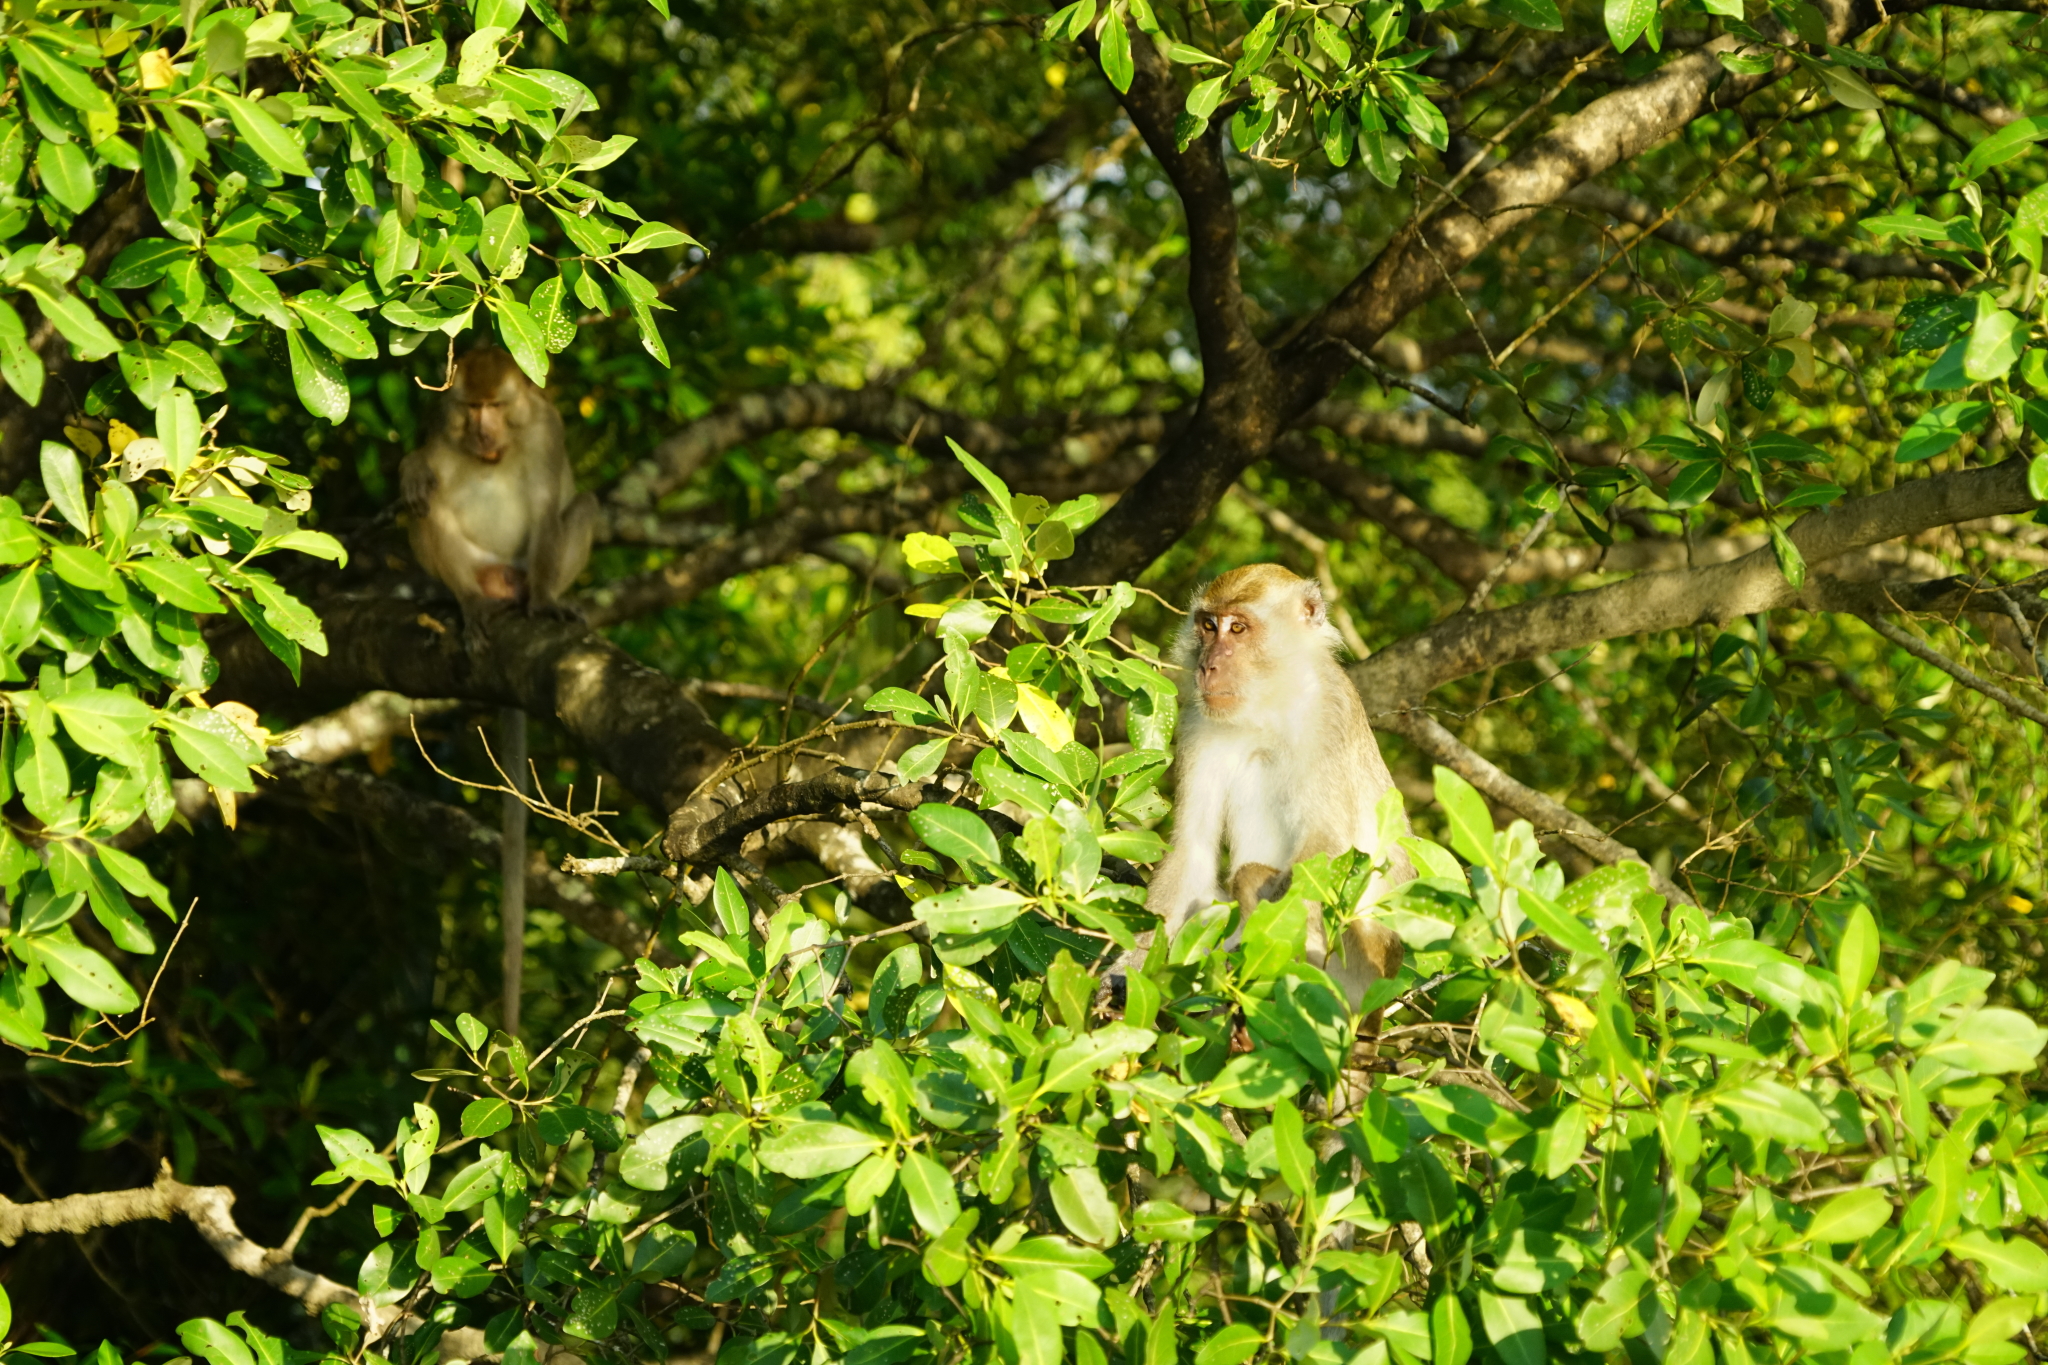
pixel 417 480
pixel 561 547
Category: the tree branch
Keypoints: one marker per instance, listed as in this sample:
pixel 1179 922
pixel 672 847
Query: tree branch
pixel 415 821
pixel 209 1208
pixel 1230 350
pixel 634 721
pixel 1242 411
pixel 1729 247
pixel 1976 682
pixel 1422 730
pixel 1410 668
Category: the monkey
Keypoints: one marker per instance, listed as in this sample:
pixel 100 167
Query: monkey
pixel 497 518
pixel 1276 760
pixel 496 515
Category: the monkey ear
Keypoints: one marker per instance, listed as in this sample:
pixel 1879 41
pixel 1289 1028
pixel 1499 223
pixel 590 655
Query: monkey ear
pixel 1313 609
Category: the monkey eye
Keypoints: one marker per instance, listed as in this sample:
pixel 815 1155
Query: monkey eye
pixel 1237 627
pixel 1207 625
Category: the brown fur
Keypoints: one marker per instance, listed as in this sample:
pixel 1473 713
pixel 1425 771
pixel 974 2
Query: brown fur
pixel 496 515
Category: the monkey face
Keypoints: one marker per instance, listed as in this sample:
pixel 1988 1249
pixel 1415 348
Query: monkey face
pixel 484 429
pixel 1228 651
pixel 1253 637
pixel 489 402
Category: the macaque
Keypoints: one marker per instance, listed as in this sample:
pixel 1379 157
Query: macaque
pixel 496 514
pixel 496 517
pixel 1276 762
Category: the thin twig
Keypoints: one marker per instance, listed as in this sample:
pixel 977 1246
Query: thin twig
pixel 1974 681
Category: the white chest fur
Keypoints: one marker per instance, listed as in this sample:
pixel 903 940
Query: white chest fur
pixel 496 513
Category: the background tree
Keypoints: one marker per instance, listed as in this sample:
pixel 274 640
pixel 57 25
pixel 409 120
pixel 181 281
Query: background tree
pixel 1653 387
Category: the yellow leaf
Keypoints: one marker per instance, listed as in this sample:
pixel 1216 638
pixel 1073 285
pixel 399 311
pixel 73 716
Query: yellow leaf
pixel 1043 717
pixel 928 553
pixel 1573 1012
pixel 932 609
pixel 2018 904
pixel 119 434
pixel 156 69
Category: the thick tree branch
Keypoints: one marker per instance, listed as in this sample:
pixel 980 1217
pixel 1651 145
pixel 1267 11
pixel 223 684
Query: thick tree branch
pixel 1238 418
pixel 1410 668
pixel 1422 730
pixel 635 722
pixel 209 1208
pixel 711 841
pixel 1155 101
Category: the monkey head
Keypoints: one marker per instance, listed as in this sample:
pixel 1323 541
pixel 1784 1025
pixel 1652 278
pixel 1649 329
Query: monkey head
pixel 490 400
pixel 1251 638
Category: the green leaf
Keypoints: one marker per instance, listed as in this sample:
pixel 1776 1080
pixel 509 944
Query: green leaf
pixel 1084 1205
pixel 68 82
pixel 809 1149
pixel 1513 1327
pixel 1849 88
pixel 934 1201
pixel 1769 1111
pixel 1450 1332
pixel 502 248
pixel 1470 822
pixel 946 1256
pixel 971 910
pixel 84 567
pixel 2014 1263
pixel 1939 428
pixel 1116 53
pixel 1850 1217
pixel 215 1343
pixel 1162 1220
pixel 214 747
pixel 64 482
pixel 265 135
pixel 317 378
pixel 78 323
pixel 959 834
pixel 176 581
pixel 66 172
pixel 486 1117
pixel 654 237
pixel 333 326
pixel 1234 1345
pixel 106 723
pixel 1626 20
pixel 522 337
pixel 21 366
pixel 1541 15
pixel 1856 956
pixel 2003 145
pixel 80 972
pixel 178 427
pixel 1291 1150
pixel 1257 1080
pixel 1994 345
pixel 1072 1066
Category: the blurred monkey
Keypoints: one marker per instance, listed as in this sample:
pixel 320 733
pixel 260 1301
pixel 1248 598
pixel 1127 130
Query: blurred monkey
pixel 496 515
pixel 1276 761
pixel 497 518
